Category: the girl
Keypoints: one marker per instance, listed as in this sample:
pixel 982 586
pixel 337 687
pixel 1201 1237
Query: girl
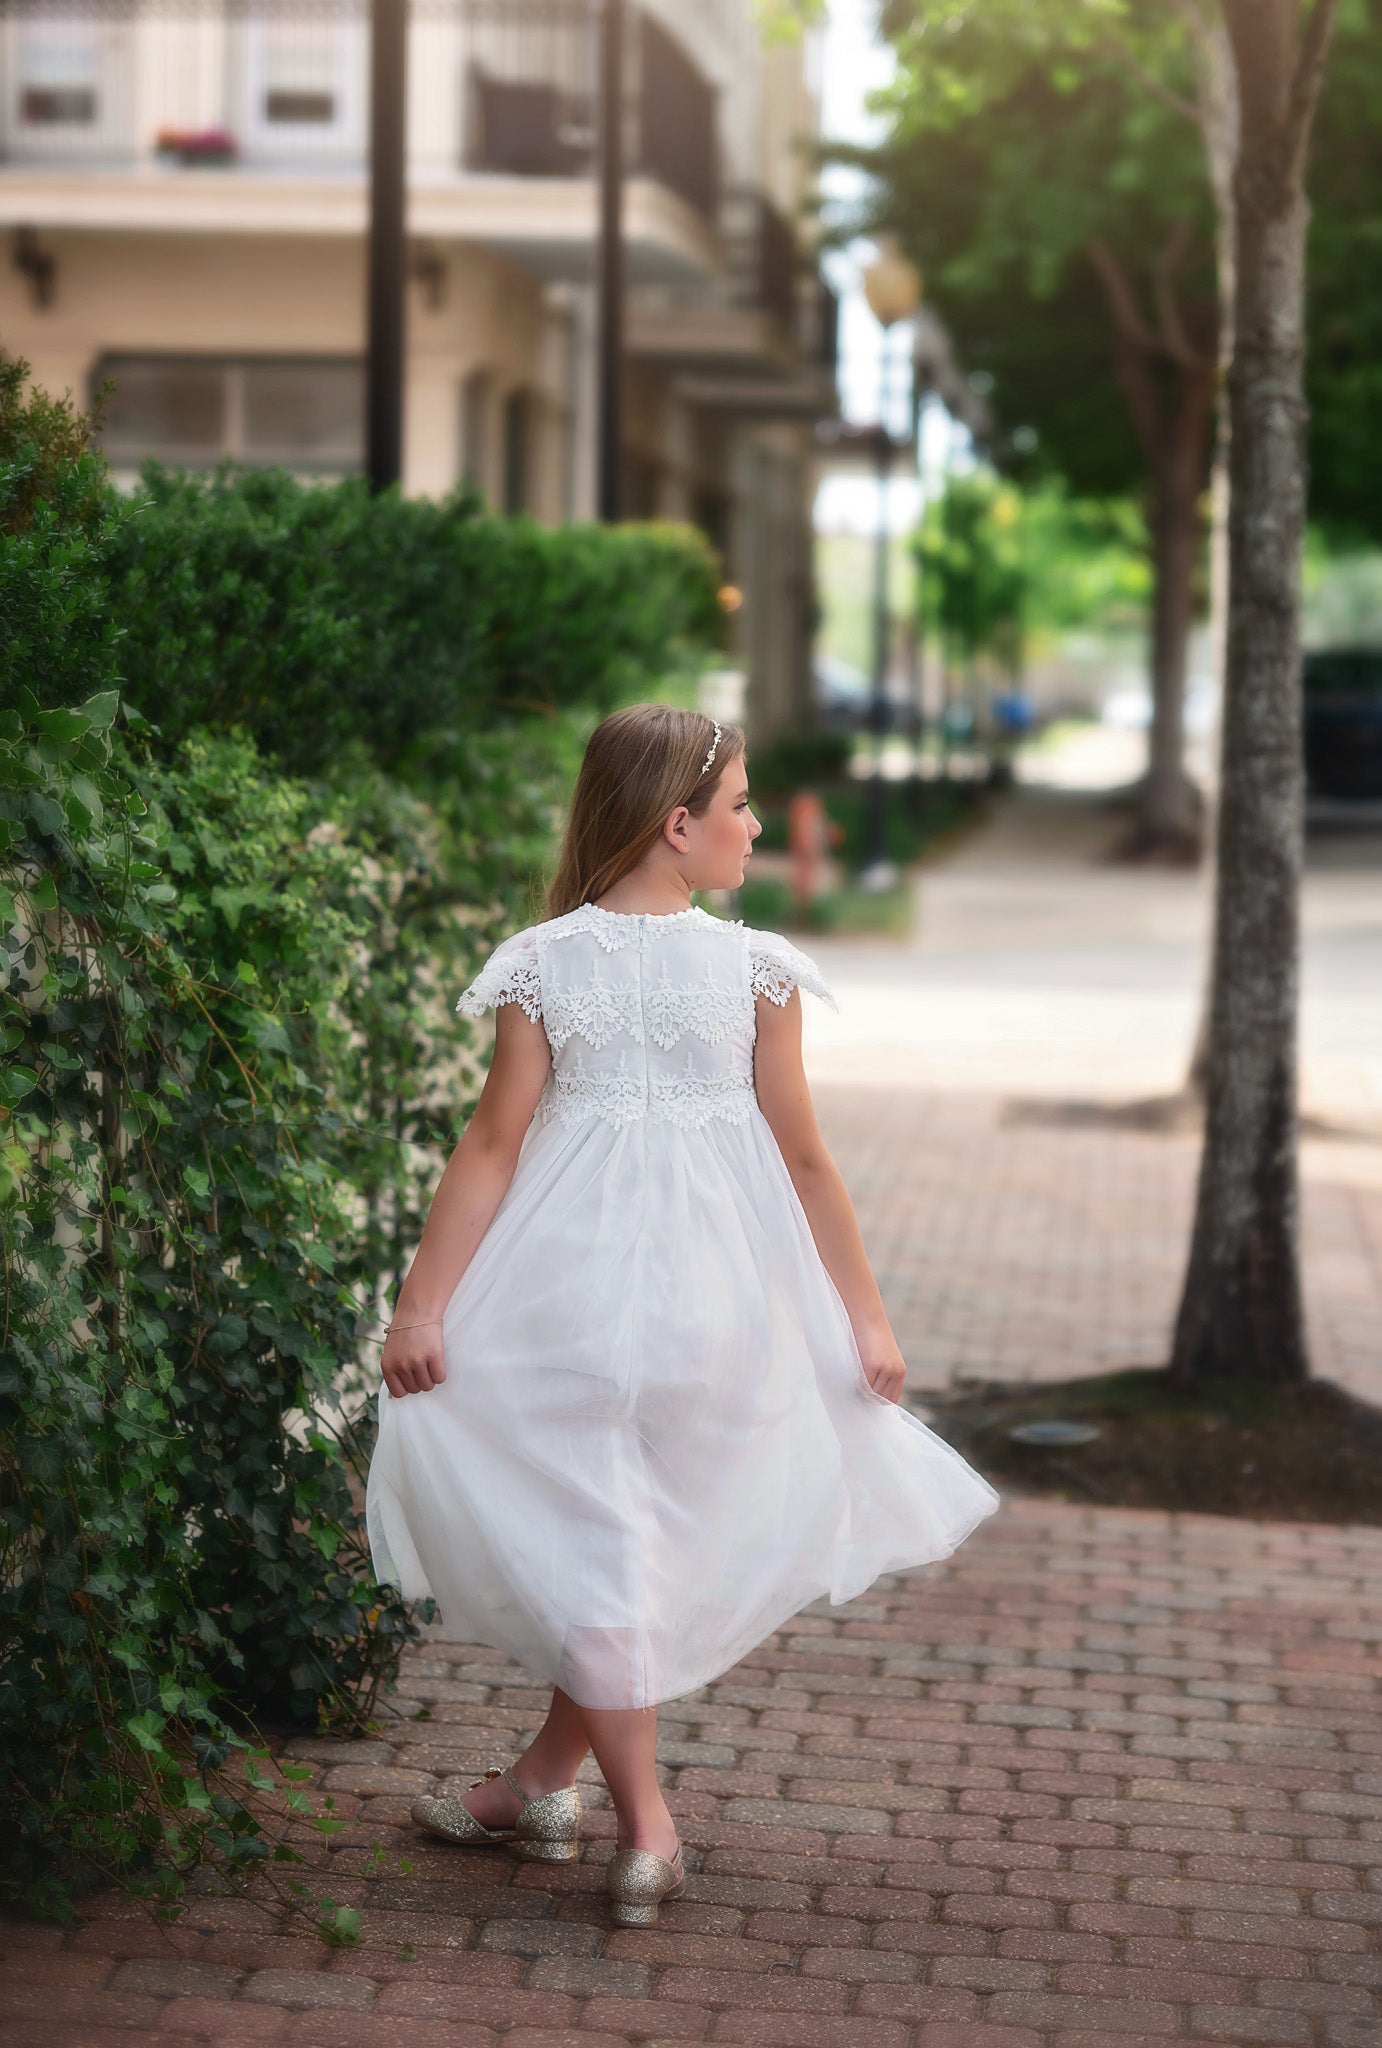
pixel 641 1397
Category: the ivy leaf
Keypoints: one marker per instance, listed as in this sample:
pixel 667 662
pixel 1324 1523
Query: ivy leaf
pixel 147 1729
pixel 99 711
pixel 87 794
pixel 61 726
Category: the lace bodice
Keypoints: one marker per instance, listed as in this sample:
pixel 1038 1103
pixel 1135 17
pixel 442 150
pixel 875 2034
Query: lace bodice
pixel 647 1015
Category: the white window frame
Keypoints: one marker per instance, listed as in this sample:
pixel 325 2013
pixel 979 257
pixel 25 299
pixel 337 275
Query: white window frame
pixel 340 140
pixel 232 370
pixel 109 71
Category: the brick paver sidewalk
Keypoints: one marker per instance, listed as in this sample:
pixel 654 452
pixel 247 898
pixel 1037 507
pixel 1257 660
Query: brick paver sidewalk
pixel 1013 1247
pixel 1105 1778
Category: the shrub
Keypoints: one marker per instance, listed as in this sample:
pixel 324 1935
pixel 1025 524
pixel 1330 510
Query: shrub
pixel 177 1525
pixel 314 614
pixel 230 1067
pixel 796 761
pixel 57 636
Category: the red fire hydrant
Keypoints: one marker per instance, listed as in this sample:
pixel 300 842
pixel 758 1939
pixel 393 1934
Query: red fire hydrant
pixel 808 844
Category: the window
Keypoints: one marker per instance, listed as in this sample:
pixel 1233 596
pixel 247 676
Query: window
pixel 477 394
pixel 59 75
pixel 65 85
pixel 642 484
pixel 304 414
pixel 303 93
pixel 710 509
pixel 307 414
pixel 300 81
pixel 518 408
pixel 176 410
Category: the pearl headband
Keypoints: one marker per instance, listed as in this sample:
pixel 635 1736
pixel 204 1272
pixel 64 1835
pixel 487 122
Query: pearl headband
pixel 713 744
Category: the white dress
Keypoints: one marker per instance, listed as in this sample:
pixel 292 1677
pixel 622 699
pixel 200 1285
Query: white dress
pixel 655 1441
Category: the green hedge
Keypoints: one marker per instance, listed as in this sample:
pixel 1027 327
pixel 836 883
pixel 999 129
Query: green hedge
pixel 311 615
pixel 178 1535
pixel 57 635
pixel 234 930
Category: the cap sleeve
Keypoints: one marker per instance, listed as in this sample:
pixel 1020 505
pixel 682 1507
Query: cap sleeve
pixel 776 967
pixel 510 975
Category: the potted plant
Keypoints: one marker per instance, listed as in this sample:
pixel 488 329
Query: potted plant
pixel 195 146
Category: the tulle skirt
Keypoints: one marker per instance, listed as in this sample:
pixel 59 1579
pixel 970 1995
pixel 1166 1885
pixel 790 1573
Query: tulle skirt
pixel 655 1441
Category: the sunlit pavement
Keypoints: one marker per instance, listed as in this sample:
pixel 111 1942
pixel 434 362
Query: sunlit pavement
pixel 1020 1230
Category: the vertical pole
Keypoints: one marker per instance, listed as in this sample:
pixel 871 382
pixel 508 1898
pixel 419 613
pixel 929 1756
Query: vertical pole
pixel 610 261
pixel 876 833
pixel 921 386
pixel 386 242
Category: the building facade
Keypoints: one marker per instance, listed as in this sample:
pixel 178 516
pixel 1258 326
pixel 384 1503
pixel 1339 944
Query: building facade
pixel 183 186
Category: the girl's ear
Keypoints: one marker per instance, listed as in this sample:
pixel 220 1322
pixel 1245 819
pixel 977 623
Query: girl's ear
pixel 674 826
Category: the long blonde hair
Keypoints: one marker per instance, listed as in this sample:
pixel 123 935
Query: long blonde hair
pixel 639 763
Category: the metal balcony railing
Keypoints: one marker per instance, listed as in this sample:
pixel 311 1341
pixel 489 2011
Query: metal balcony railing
pixel 762 259
pixel 499 87
pixel 767 271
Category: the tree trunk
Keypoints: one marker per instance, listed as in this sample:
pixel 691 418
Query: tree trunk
pixel 1168 383
pixel 1216 94
pixel 1241 1313
pixel 1167 810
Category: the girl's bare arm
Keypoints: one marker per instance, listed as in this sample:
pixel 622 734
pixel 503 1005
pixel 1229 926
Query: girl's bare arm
pixel 470 1190
pixel 784 1097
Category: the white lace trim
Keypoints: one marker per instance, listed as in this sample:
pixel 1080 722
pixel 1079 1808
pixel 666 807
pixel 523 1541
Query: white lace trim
pixel 510 975
pixel 624 1094
pixel 617 1093
pixel 594 1012
pixel 715 1007
pixel 776 966
pixel 711 1007
pixel 616 929
pixel 690 1097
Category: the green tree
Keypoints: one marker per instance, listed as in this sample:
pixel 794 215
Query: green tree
pixel 1241 1309
pixel 1061 213
pixel 1256 69
pixel 972 573
pixel 1001 570
pixel 1344 286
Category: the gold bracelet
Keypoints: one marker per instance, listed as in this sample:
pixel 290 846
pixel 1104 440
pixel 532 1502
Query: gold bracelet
pixel 432 1323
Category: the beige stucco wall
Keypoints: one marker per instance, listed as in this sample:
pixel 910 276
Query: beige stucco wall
pixel 182 294
pixel 247 294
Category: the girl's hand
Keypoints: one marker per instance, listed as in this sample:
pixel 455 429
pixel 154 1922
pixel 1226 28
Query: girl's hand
pixel 413 1361
pixel 884 1366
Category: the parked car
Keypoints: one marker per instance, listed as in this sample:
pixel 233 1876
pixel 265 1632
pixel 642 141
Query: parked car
pixel 1130 709
pixel 1343 721
pixel 843 694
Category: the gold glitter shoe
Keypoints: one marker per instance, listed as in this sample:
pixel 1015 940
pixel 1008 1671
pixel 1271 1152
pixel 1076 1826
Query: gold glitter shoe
pixel 546 1829
pixel 638 1882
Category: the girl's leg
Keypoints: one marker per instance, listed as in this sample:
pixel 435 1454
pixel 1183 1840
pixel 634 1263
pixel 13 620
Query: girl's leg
pixel 551 1760
pixel 625 1744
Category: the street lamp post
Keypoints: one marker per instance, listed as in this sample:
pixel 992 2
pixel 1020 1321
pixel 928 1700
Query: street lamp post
pixel 892 287
pixel 923 379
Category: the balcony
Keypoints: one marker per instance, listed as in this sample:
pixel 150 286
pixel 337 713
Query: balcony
pixel 208 116
pixel 760 338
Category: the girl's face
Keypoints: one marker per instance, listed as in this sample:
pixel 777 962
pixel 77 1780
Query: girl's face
pixel 722 840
